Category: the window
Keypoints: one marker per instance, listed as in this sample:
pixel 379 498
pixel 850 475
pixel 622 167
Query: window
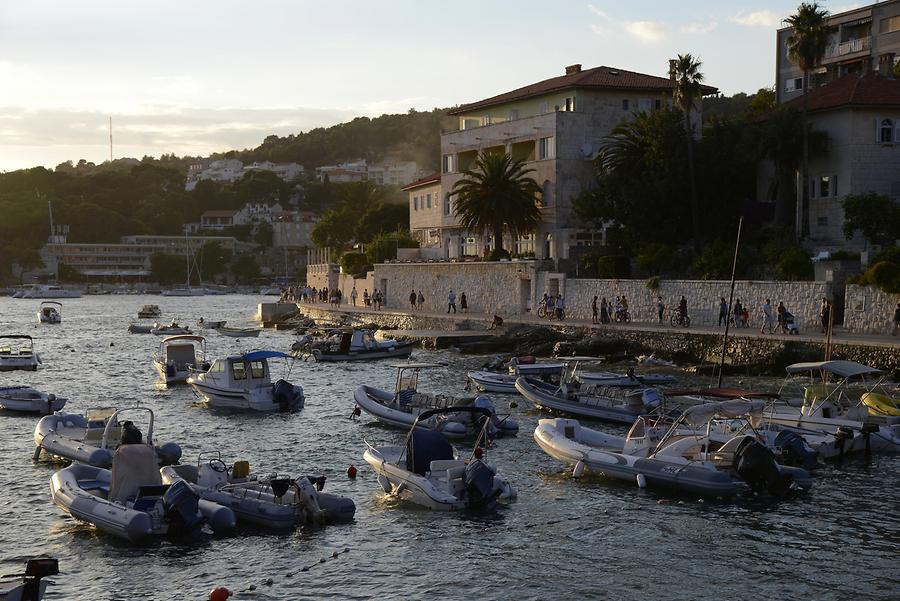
pixel 824 186
pixel 547 148
pixel 447 210
pixel 890 24
pixel 217 367
pixel 513 114
pixel 624 104
pixel 257 369
pixel 545 107
pixel 547 193
pixel 657 104
pixel 238 371
pixel 428 200
pixel 822 221
pixel 570 104
pixel 645 104
pixel 447 163
pixel 486 120
pixel 525 244
pixel 886 131
pixel 793 84
pixel 470 123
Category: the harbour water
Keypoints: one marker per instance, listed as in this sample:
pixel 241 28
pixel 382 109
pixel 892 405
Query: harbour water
pixel 587 539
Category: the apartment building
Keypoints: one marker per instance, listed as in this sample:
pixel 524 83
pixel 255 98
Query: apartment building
pixel 865 40
pixel 430 213
pixel 557 126
pixel 231 170
pixel 391 171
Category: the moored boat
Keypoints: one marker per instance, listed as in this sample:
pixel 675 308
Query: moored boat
pixel 238 332
pixel 244 382
pixel 149 312
pixel 354 344
pixel 26 399
pixel 29 586
pixel 17 352
pixel 179 356
pixel 171 329
pixel 50 312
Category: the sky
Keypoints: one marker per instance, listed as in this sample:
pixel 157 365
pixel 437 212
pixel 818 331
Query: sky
pixel 197 76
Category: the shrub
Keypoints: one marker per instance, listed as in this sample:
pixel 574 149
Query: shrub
pixel 354 262
pixel 497 254
pixel 653 283
pixel 883 274
pixel 613 267
pixel 794 264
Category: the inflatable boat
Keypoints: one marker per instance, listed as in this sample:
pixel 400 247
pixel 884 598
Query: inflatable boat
pixel 26 399
pixel 354 345
pixel 273 502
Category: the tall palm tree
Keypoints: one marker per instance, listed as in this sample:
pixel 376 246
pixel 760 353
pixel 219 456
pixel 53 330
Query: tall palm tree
pixel 497 193
pixel 806 47
pixel 687 91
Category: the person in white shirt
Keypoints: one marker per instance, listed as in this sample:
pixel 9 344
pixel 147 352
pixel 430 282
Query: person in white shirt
pixel 451 302
pixel 768 319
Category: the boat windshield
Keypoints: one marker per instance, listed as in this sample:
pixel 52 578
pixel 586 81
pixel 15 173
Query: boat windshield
pixel 257 369
pixel 238 371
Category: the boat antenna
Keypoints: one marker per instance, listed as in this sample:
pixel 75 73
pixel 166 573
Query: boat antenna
pixel 737 246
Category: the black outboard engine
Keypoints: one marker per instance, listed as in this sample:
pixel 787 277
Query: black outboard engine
pixel 182 508
pixel 756 466
pixel 795 450
pixel 283 394
pixel 35 569
pixel 130 434
pixel 317 481
pixel 170 370
pixel 479 479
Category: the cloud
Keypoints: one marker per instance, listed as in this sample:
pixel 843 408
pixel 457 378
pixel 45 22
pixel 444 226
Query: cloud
pixel 646 31
pixel 759 18
pixel 597 11
pixel 698 27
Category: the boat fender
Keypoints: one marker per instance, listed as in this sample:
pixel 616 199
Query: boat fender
pixel 220 593
pixel 351 472
pixel 641 481
pixel 385 483
pixel 578 472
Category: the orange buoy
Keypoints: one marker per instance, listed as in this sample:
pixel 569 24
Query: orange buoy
pixel 220 593
pixel 351 471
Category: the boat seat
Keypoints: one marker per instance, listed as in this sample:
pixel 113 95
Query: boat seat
pixel 94 485
pixel 133 466
pixel 445 464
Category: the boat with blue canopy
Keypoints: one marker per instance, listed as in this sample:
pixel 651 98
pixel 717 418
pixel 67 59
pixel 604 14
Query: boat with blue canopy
pixel 245 382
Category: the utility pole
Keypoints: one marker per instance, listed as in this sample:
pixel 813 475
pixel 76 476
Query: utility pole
pixel 110 140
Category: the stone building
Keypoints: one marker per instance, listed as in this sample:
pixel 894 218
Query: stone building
pixel 557 126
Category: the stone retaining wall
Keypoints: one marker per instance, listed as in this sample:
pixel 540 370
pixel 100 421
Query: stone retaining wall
pixel 868 310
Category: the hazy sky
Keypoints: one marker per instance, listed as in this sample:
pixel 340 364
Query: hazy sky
pixel 193 77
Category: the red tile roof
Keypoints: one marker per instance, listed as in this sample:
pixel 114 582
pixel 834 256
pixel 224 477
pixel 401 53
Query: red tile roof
pixel 604 78
pixel 433 178
pixel 852 90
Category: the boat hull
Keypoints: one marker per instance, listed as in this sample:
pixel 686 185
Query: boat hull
pixel 27 400
pixel 374 402
pixel 543 396
pixel 258 399
pixel 402 350
pixel 487 381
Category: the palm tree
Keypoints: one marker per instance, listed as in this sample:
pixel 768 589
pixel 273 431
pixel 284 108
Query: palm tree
pixel 687 91
pixel 806 47
pixel 496 194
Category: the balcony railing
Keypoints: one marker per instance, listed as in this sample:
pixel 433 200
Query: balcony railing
pixel 849 47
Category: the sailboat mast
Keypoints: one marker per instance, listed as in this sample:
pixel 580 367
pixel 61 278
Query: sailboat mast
pixel 50 211
pixel 737 246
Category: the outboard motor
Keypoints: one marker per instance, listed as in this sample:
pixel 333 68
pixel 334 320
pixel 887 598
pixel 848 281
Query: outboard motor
pixel 170 370
pixel 285 397
pixel 35 569
pixel 652 399
pixel 168 453
pixel 795 450
pixel 130 434
pixel 484 402
pixel 756 466
pixel 479 479
pixel 182 507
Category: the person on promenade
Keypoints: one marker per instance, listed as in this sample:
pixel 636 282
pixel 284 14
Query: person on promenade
pixel 737 312
pixel 340 296
pixel 353 296
pixel 544 302
pixel 625 316
pixel 896 320
pixel 723 312
pixel 420 301
pixel 463 303
pixel 375 298
pixel 412 300
pixel 604 310
pixel 594 311
pixel 365 297
pixel 768 320
pixel 660 309
pixel 782 318
pixel 824 314
pixel 560 307
pixel 617 310
pixel 451 302
pixel 551 307
pixel 496 323
pixel 682 308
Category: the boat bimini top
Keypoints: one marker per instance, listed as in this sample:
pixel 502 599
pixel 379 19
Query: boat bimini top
pixel 842 369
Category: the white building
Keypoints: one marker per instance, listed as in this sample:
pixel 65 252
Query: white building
pixel 231 170
pixel 391 171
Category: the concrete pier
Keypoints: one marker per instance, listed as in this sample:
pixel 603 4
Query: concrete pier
pixel 270 313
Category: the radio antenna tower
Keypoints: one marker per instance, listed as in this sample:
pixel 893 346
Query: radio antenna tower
pixel 110 140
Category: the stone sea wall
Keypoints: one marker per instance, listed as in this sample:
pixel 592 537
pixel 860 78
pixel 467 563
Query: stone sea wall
pixel 868 310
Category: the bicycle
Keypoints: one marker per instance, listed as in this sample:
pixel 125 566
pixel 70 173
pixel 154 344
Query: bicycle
pixel 681 320
pixel 542 310
pixel 623 316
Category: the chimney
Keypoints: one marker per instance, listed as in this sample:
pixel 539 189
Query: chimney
pixel 886 64
pixel 672 63
pixel 573 69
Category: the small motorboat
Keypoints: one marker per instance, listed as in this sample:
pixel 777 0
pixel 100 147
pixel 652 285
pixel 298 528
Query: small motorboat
pixel 426 470
pixel 612 404
pixel 239 332
pixel 26 399
pixel 184 291
pixel 149 312
pixel 50 312
pixel 137 328
pixel 172 329
pixel 205 324
pixel 488 381
pixel 92 438
pixel 353 344
pixel 626 380
pixel 500 375
pixel 403 407
pixel 179 356
pixel 244 382
pixel 279 502
pixel 17 352
pixel 131 502
pixel 29 586
pixel 690 457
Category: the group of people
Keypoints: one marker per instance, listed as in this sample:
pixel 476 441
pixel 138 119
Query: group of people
pixel 416 301
pixel 554 306
pixel 451 302
pixel 607 311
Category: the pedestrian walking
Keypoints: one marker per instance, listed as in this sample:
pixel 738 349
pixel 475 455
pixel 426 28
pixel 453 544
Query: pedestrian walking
pixel 737 312
pixel 366 300
pixel 604 310
pixel 768 319
pixel 412 300
pixel 353 296
pixel 594 311
pixel 451 302
pixel 660 309
pixel 824 314
pixel 723 312
pixel 551 307
pixel 560 307
pixel 463 303
pixel 421 300
pixel 782 318
pixel 896 320
pixel 682 308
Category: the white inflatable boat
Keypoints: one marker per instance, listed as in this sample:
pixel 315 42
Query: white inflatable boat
pixel 426 471
pixel 26 399
pixel 272 502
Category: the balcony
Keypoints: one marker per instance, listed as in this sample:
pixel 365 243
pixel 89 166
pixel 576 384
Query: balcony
pixel 842 49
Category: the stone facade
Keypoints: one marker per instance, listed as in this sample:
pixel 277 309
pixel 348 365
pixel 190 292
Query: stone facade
pixel 868 310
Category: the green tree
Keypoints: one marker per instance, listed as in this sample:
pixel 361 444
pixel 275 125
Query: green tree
pixel 264 235
pixel 244 268
pixel 166 269
pixel 213 260
pixel 335 229
pixel 875 216
pixel 496 194
pixel 384 246
pixel 806 48
pixel 380 219
pixel 687 91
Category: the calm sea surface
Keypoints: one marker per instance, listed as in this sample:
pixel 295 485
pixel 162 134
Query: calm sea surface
pixel 590 539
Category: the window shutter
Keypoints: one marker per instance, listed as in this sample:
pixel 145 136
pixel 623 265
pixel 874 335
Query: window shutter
pixel 877 133
pixel 834 188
